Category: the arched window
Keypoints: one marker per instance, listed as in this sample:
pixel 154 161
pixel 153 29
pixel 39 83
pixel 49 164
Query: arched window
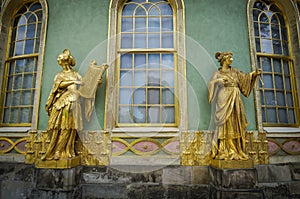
pixel 147 64
pixel 277 90
pixel 19 85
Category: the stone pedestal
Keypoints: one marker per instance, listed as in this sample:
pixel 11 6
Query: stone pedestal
pixel 49 181
pixel 58 164
pixel 232 164
pixel 234 183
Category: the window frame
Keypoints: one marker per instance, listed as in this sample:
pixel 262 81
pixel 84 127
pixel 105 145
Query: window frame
pixel 289 18
pixel 8 14
pixel 111 113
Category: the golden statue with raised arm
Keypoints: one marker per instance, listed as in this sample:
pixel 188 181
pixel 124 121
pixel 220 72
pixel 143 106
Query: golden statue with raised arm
pixel 64 109
pixel 230 119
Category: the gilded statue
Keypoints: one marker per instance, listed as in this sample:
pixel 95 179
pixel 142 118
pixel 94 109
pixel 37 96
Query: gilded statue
pixel 224 89
pixel 64 109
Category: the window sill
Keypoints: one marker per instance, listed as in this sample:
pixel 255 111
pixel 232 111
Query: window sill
pixel 285 132
pixel 145 132
pixel 14 131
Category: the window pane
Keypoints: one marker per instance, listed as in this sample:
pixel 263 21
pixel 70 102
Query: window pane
pixel 128 10
pixel 257 45
pixel 153 78
pixel 29 46
pixel 140 96
pixel 17 82
pixel 124 115
pixel 266 46
pixel 288 84
pixel 280 98
pixel 30 31
pixel 277 65
pixel 21 32
pixel 256 30
pixel 290 99
pixel 270 98
pixel 292 116
pixel 279 82
pixel 165 9
pixel 19 66
pixel 167 61
pixel 282 115
pixel 19 48
pixel 154 11
pixel 140 41
pixel 126 61
pixel 168 78
pixel 168 115
pixel 277 47
pixel 266 63
pixel 265 30
pixel 153 96
pixel 140 24
pixel 272 116
pixel 275 32
pixel 127 25
pixel 29 65
pixel 139 113
pixel 16 99
pixel 167 40
pixel 140 11
pixel 26 98
pixel 167 96
pixel 286 67
pixel 167 24
pixel 153 40
pixel 139 61
pixel 28 81
pixel 154 24
pixel 140 78
pixel 154 114
pixel 126 41
pixel 125 96
pixel 14 115
pixel 268 81
pixel 25 113
pixel 126 78
pixel 154 61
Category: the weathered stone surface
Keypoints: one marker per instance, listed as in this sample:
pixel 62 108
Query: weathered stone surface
pixel 275 190
pixel 104 190
pixel 295 171
pixel 200 175
pixel 233 193
pixel 233 178
pixel 274 173
pixel 177 175
pixel 65 179
pixel 12 189
pixel 145 190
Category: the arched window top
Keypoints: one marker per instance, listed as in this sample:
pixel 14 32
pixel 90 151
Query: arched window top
pixel 146 7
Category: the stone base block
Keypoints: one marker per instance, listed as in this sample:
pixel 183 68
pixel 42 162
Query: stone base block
pixel 58 164
pixel 233 178
pixel 232 164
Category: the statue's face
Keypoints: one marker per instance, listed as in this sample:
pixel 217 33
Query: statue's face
pixel 228 59
pixel 61 59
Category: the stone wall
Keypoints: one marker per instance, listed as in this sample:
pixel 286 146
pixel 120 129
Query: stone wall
pixel 264 181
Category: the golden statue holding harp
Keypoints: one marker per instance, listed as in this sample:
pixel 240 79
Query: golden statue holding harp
pixel 64 108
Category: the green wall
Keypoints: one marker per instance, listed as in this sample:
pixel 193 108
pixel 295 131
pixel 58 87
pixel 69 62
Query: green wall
pixel 211 26
pixel 215 26
pixel 79 26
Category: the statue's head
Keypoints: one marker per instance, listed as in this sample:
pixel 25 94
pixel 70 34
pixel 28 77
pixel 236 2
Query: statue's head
pixel 223 56
pixel 65 58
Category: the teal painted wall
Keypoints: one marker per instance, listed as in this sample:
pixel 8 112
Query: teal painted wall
pixel 80 26
pixel 211 26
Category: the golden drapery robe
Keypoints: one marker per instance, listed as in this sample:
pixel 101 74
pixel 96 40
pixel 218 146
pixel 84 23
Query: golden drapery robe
pixel 65 119
pixel 230 118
